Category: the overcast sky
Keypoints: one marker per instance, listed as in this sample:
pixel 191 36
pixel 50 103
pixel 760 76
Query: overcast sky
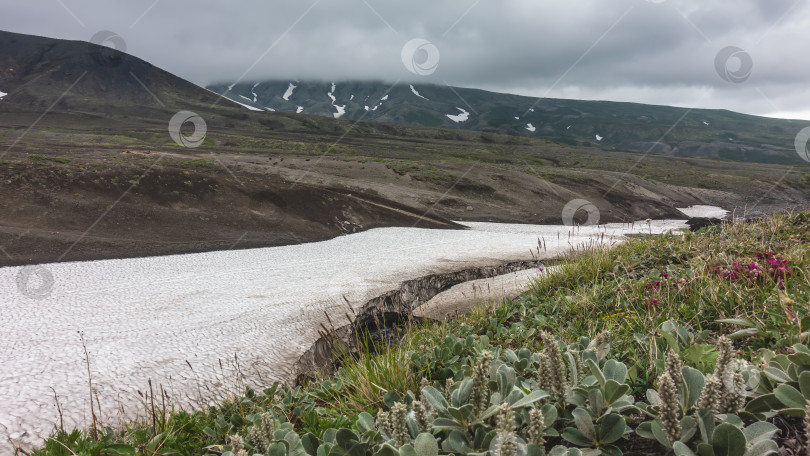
pixel 648 51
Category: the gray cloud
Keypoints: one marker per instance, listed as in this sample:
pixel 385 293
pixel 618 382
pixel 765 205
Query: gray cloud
pixel 623 50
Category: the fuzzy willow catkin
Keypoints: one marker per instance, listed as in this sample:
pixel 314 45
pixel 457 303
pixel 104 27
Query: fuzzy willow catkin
pixel 238 446
pixel 674 368
pixel 669 408
pixel 422 416
pixel 725 356
pixel 448 388
pixel 480 394
pixel 425 403
pixel 544 372
pixel 506 431
pixel 555 364
pixel 399 424
pixel 734 398
pixel 383 422
pixel 711 396
pixel 536 426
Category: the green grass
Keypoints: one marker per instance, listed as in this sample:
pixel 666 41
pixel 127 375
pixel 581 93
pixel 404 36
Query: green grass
pixel 614 290
pixel 365 376
pixel 630 292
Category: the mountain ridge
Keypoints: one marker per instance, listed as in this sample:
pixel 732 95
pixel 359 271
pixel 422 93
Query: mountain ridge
pixel 610 125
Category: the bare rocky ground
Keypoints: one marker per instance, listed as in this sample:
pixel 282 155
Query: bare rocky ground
pixel 64 203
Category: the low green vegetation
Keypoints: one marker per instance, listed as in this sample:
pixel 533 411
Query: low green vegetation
pixel 687 343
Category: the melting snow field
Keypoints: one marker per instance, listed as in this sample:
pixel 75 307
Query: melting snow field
pixel 289 92
pixel 183 320
pixel 704 211
pixel 416 92
pixel 531 127
pixel 2 94
pixel 252 108
pixel 459 117
pixel 340 109
pixel 378 104
pixel 299 109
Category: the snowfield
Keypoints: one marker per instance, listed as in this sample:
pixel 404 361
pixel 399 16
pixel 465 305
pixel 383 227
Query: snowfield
pixel 704 211
pixel 416 92
pixel 252 108
pixel 459 117
pixel 289 92
pixel 183 320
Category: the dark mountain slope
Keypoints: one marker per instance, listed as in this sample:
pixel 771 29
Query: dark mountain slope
pixel 609 125
pixel 36 70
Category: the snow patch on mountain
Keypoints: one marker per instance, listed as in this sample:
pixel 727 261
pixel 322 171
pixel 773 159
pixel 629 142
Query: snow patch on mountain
pixel 351 97
pixel 246 98
pixel 459 117
pixel 2 94
pixel 299 109
pixel 385 97
pixel 599 137
pixel 252 108
pixel 289 92
pixel 340 111
pixel 415 92
pixel 531 127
